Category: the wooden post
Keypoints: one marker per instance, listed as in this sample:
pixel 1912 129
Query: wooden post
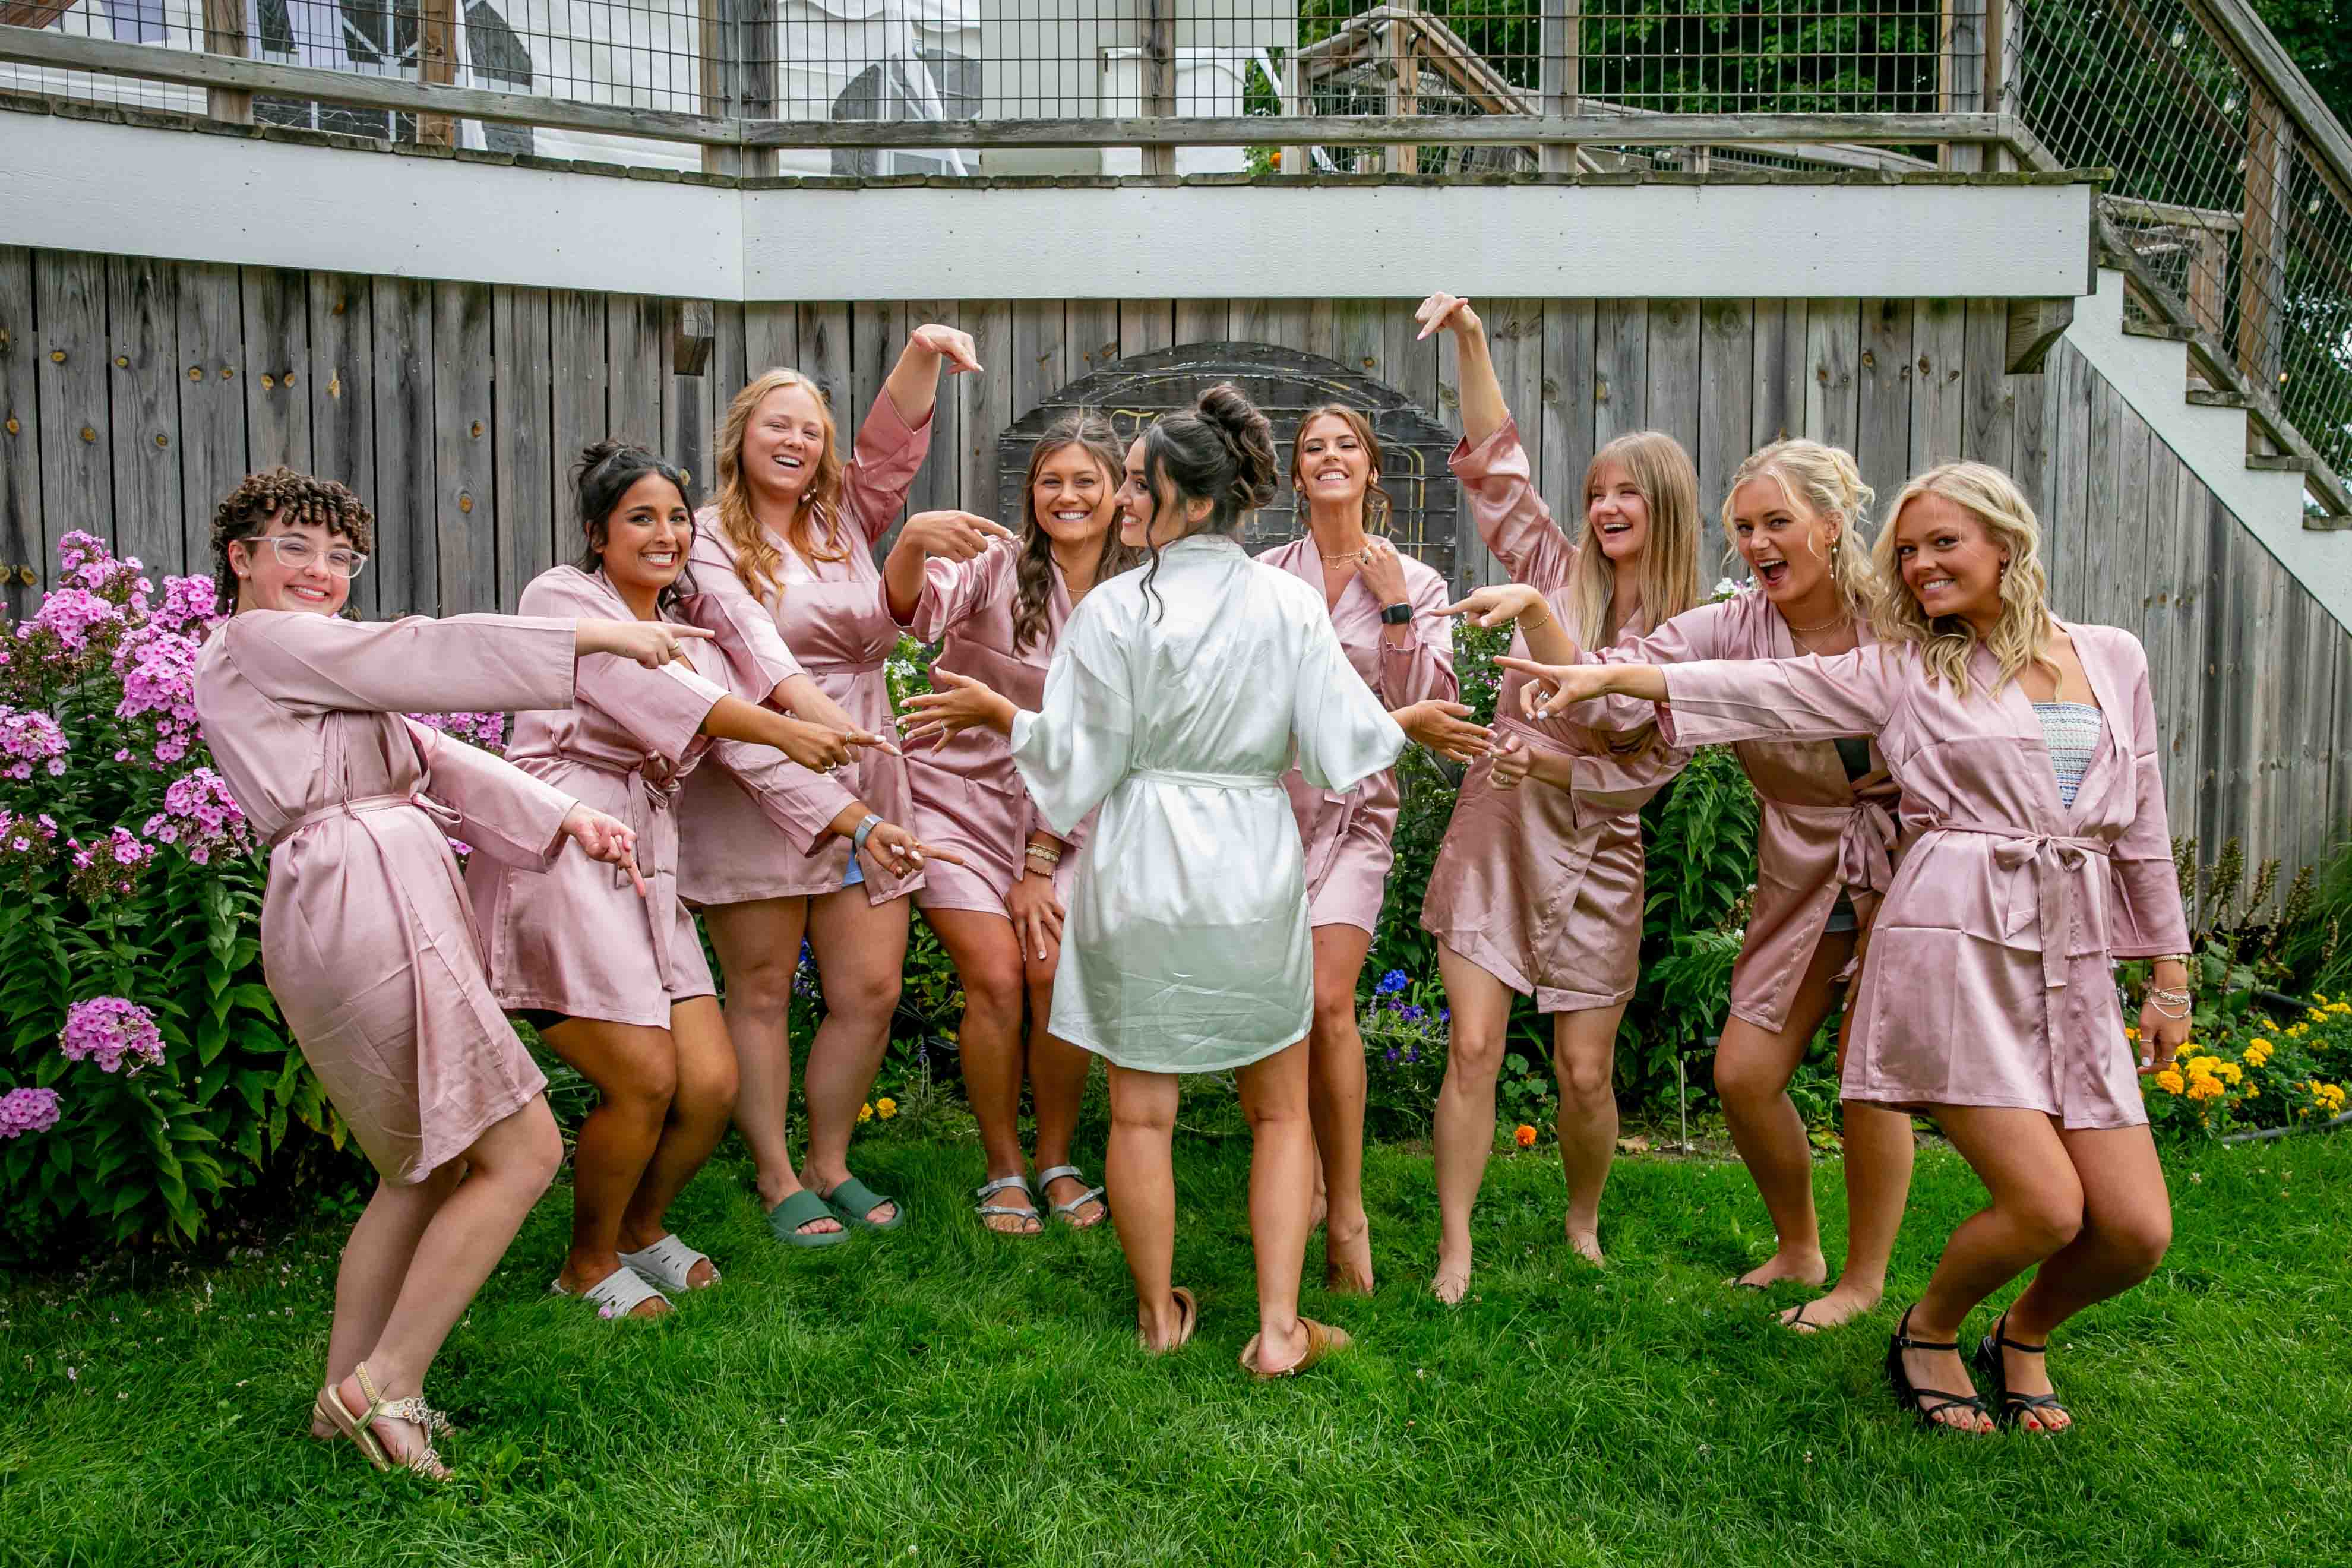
pixel 436 62
pixel 1295 103
pixel 1959 75
pixel 2002 56
pixel 225 35
pixel 1404 91
pixel 2261 243
pixel 738 77
pixel 1160 79
pixel 1562 72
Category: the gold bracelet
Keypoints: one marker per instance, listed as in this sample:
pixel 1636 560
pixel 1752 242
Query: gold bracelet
pixel 1051 856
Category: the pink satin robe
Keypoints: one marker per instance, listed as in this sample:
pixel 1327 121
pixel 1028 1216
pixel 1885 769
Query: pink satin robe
pixel 578 940
pixel 829 619
pixel 367 938
pixel 967 795
pixel 1988 978
pixel 1349 834
pixel 1539 886
pixel 1816 838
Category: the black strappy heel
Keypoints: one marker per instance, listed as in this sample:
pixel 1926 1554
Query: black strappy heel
pixel 1916 1399
pixel 1992 1366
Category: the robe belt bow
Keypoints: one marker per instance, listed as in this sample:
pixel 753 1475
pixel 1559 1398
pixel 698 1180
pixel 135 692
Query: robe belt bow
pixel 1866 847
pixel 361 804
pixel 651 796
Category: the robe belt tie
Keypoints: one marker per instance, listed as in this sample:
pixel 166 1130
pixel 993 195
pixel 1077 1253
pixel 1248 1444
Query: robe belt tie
pixel 1209 780
pixel 1866 847
pixel 360 805
pixel 650 797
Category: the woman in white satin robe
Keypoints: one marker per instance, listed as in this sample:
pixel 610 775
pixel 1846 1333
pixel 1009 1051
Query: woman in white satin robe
pixel 1178 699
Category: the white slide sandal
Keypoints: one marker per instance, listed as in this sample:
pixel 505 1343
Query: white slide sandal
pixel 617 1294
pixel 669 1263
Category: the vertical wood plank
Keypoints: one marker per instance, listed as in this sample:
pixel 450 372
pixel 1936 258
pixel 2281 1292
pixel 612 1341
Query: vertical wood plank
pixel 2191 679
pixel 825 355
pixel 1621 368
pixel 1410 361
pixel 2067 420
pixel 1568 391
pixel 2092 570
pixel 1356 337
pixel 636 333
pixel 1832 349
pixel 522 451
pixel 277 356
pixel 1727 411
pixel 341 383
pixel 985 403
pixel 213 460
pixel 1777 409
pixel 1040 352
pixel 21 546
pixel 1145 326
pixel 771 338
pixel 465 505
pixel 1883 378
pixel 1093 332
pixel 690 401
pixel 1939 338
pixel 76 428
pixel 143 332
pixel 1247 320
pixel 1286 323
pixel 2218 708
pixel 579 375
pixel 1202 322
pixel 2126 539
pixel 1673 370
pixel 2030 457
pixel 2154 625
pixel 878 330
pixel 1515 343
pixel 408 568
pixel 730 372
pixel 939 484
pixel 1988 397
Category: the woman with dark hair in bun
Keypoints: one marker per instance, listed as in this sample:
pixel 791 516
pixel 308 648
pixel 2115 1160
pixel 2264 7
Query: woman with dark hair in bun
pixel 615 978
pixel 1179 696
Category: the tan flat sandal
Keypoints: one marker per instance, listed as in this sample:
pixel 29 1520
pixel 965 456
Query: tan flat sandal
pixel 1321 1340
pixel 424 1463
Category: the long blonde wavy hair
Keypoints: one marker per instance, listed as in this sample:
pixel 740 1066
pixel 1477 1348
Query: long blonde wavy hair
pixel 1825 483
pixel 1669 575
pixel 813 528
pixel 2021 636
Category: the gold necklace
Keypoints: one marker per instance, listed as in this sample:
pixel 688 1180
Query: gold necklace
pixel 1353 555
pixel 1803 631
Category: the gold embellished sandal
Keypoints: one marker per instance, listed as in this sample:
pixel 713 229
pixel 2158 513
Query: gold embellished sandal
pixel 424 1463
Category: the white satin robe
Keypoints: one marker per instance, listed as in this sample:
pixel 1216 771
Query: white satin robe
pixel 1178 708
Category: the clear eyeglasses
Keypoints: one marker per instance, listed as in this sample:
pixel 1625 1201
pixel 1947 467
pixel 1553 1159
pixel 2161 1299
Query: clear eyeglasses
pixel 298 553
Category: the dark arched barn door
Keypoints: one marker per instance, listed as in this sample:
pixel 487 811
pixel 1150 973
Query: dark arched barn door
pixel 1285 384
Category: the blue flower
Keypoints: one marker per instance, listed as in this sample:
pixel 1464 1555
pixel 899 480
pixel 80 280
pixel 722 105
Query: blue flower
pixel 1413 1054
pixel 1391 983
pixel 1414 1015
pixel 1446 1015
pixel 1393 1053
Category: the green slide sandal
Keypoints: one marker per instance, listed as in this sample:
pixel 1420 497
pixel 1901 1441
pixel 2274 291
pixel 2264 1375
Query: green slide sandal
pixel 852 1200
pixel 787 1217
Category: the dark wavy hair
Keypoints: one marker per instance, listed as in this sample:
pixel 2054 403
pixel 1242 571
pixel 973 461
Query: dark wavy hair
pixel 1220 450
pixel 1033 570
pixel 286 496
pixel 605 471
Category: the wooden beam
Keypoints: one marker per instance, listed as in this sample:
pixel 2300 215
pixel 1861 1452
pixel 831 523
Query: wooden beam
pixel 1159 80
pixel 2033 326
pixel 32 13
pixel 225 35
pixel 436 66
pixel 693 328
pixel 1560 72
pixel 1405 94
pixel 2261 243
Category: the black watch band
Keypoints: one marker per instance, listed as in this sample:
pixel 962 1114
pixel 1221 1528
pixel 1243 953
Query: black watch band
pixel 1396 614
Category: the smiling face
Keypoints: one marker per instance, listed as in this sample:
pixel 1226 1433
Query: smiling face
pixel 267 582
pixel 647 538
pixel 785 441
pixel 1786 546
pixel 1616 512
pixel 1333 466
pixel 1134 500
pixel 1071 498
pixel 1949 562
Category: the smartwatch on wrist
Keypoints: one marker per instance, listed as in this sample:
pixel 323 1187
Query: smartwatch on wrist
pixel 857 839
pixel 1396 614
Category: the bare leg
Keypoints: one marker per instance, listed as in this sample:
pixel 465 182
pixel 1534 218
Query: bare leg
pixel 861 953
pixel 1336 1099
pixel 506 1169
pixel 1273 1093
pixel 1752 1070
pixel 988 960
pixel 699 1113
pixel 2127 1227
pixel 2036 1212
pixel 759 947
pixel 1584 1056
pixel 635 1069
pixel 1058 1087
pixel 1140 1168
pixel 375 1260
pixel 1466 1110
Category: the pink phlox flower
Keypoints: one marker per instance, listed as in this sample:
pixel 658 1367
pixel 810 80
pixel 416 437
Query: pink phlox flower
pixel 189 607
pixel 24 1110
pixel 487 730
pixel 29 738
pixel 109 1031
pixel 200 816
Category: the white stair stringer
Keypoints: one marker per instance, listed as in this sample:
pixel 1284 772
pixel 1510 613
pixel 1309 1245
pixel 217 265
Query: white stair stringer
pixel 2152 375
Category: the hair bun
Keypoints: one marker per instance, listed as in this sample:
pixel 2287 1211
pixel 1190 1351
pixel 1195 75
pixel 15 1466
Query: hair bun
pixel 1249 436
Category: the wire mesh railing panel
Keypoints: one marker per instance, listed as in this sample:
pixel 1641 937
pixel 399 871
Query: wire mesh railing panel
pixel 2213 190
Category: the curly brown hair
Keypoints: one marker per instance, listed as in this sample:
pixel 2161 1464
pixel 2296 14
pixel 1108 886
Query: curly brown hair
pixel 286 496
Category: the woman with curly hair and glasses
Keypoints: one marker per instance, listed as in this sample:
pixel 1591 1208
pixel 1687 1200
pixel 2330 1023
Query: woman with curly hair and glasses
pixel 2027 752
pixel 367 938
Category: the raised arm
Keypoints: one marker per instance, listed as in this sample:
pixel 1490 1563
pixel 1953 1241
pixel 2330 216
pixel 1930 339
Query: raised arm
pixel 1483 412
pixel 896 434
pixel 464 664
pixel 943 568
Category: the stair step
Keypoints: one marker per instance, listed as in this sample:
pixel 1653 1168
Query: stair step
pixel 2162 330
pixel 2276 463
pixel 2218 397
pixel 2327 522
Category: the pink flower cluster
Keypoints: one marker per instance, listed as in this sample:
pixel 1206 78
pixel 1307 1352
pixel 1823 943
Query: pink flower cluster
pixel 488 730
pixel 24 1110
pixel 157 668
pixel 29 740
pixel 109 1030
pixel 109 868
pixel 190 606
pixel 28 845
pixel 202 817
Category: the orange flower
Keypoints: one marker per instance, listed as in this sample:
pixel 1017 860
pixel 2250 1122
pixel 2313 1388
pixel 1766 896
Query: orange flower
pixel 1526 1136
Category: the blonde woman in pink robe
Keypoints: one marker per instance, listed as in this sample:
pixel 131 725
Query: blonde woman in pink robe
pixel 996 603
pixel 2027 753
pixel 615 979
pixel 367 939
pixel 1538 890
pixel 1387 609
pixel 784 556
pixel 1795 513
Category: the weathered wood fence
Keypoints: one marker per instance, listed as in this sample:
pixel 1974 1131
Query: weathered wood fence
pixel 134 393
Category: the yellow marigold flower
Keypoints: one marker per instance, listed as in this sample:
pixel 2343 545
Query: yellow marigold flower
pixel 2204 1064
pixel 2205 1088
pixel 2258 1053
pixel 864 1113
pixel 2319 995
pixel 2130 1033
pixel 2183 1049
pixel 2168 1081
pixel 2230 1072
pixel 886 1108
pixel 2253 1091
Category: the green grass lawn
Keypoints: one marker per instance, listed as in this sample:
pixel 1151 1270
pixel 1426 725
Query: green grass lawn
pixel 940 1394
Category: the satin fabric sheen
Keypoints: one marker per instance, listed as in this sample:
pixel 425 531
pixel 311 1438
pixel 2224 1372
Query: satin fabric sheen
pixel 829 619
pixel 579 939
pixel 1988 979
pixel 1349 834
pixel 367 937
pixel 1177 710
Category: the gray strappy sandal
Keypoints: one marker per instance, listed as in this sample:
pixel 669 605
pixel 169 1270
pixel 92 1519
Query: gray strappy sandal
pixel 1068 1213
pixel 986 1210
